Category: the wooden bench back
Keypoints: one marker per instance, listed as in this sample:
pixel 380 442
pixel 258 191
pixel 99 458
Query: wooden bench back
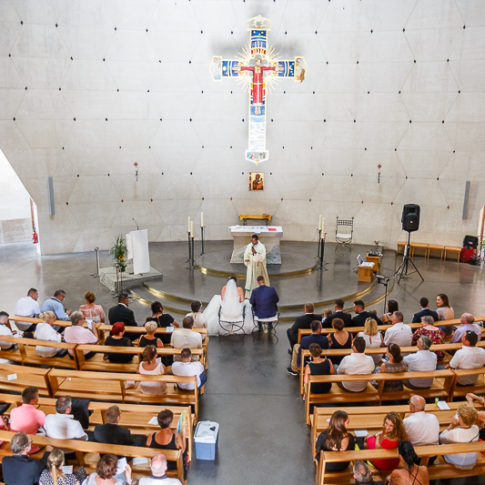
pixel 115 386
pixel 98 363
pixel 441 388
pixel 25 352
pixel 15 378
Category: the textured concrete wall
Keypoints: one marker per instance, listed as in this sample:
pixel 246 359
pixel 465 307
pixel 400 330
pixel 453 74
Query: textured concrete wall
pixel 89 87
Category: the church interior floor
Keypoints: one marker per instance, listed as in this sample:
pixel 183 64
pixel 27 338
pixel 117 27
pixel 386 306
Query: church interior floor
pixel 263 435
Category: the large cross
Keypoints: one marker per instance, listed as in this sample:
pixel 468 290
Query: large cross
pixel 258 65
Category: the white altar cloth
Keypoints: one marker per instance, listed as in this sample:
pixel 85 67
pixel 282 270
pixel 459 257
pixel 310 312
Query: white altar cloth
pixel 269 235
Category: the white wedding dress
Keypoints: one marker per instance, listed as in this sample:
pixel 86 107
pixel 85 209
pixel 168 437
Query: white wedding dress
pixel 231 310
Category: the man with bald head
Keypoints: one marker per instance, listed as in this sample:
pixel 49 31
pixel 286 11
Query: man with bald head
pixel 421 428
pixel 159 473
pixel 467 324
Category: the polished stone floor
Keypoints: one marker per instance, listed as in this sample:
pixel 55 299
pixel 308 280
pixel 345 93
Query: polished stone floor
pixel 263 436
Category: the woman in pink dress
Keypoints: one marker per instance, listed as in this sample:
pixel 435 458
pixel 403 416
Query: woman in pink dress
pixel 90 310
pixel 392 433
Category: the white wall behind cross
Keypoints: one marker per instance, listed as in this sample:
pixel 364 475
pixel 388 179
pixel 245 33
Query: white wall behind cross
pixel 89 87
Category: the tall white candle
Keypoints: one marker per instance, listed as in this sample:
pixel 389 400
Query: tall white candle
pixel 320 222
pixel 192 228
pixel 323 226
pixel 201 219
pixel 188 224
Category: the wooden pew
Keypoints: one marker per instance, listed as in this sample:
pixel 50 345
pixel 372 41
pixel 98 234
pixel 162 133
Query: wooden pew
pixel 446 348
pixel 15 378
pixel 25 352
pixel 98 363
pixel 477 388
pixel 135 417
pixel 439 470
pixel 441 388
pixel 111 386
pixel 372 417
pixel 81 448
pixel 383 328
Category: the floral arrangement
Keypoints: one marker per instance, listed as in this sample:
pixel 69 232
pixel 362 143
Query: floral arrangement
pixel 119 251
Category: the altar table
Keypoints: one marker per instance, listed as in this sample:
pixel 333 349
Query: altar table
pixel 269 235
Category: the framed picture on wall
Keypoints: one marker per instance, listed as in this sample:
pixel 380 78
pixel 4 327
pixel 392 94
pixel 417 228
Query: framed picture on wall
pixel 256 181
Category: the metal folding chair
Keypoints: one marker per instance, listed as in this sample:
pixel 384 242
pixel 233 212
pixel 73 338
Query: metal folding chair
pixel 344 230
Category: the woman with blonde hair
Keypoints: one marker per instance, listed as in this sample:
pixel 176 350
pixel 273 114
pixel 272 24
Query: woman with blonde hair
pixel 149 338
pixel 53 474
pixel 463 429
pixel 90 310
pixel 392 433
pixel 45 331
pixel 373 338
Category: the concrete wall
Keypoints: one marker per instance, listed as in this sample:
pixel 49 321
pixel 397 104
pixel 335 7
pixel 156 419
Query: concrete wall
pixel 89 87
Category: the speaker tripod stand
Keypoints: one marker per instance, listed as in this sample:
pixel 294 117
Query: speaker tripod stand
pixel 403 270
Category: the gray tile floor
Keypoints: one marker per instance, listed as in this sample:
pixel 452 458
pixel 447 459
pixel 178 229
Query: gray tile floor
pixel 263 437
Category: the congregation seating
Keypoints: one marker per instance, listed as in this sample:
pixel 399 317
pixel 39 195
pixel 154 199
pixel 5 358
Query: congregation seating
pixel 84 448
pixel 371 418
pixel 135 417
pixel 101 386
pixel 439 469
pixel 382 328
pixel 442 388
pixel 446 348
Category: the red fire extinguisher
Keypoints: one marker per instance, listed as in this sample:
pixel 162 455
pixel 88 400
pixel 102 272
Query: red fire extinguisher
pixel 35 237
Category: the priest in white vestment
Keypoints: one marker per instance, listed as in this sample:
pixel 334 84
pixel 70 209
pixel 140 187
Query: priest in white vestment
pixel 255 261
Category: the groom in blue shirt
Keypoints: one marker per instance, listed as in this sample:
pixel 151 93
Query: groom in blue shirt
pixel 264 300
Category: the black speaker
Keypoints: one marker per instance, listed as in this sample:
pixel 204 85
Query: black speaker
pixel 410 217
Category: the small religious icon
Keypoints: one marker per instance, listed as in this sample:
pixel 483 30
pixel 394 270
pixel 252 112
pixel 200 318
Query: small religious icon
pixel 256 181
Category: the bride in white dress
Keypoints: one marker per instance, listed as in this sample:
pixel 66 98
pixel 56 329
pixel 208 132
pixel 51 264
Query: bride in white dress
pixel 232 304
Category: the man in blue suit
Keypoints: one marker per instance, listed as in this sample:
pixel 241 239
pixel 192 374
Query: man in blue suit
pixel 264 301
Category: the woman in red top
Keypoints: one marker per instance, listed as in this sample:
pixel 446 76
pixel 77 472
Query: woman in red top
pixel 392 432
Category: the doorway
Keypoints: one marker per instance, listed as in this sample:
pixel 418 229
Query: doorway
pixel 18 212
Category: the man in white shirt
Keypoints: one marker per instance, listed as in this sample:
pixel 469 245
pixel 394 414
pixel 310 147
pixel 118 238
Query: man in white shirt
pixel 27 306
pixel 400 333
pixel 466 321
pixel 159 473
pixel 5 330
pixel 188 368
pixel 356 363
pixel 468 357
pixel 421 428
pixel 200 320
pixel 62 425
pixel 186 337
pixel 421 361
